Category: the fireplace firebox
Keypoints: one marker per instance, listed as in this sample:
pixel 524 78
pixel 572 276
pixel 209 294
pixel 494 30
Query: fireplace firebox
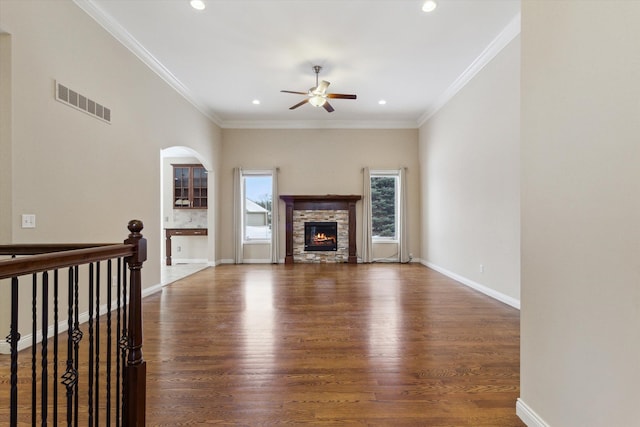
pixel 320 236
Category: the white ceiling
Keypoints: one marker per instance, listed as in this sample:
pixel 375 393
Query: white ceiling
pixel 235 51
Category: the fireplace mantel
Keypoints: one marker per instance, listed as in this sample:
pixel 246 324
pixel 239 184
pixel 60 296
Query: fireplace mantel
pixel 321 202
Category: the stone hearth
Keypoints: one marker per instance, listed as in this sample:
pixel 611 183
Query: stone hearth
pixel 341 209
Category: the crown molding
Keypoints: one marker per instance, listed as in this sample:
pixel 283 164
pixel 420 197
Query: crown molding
pixel 126 39
pixel 317 124
pixel 131 43
pixel 510 32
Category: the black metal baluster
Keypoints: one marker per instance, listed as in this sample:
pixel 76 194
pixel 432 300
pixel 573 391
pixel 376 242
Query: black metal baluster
pixel 109 339
pixel 45 347
pixel 119 336
pixel 55 347
pixel 97 356
pixel 34 332
pixel 12 339
pixel 91 338
pixel 76 342
pixel 69 376
pixel 124 340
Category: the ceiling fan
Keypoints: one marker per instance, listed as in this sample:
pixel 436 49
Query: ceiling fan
pixel 317 96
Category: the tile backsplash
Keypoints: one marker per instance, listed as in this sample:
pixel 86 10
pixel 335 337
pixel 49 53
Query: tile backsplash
pixel 189 218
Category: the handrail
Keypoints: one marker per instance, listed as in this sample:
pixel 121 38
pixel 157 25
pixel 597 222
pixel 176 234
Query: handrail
pixel 61 259
pixel 43 258
pixel 43 248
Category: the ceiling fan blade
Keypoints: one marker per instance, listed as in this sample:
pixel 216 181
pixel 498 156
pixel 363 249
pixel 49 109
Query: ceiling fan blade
pixel 328 107
pixel 341 96
pixel 322 87
pixel 297 93
pixel 299 104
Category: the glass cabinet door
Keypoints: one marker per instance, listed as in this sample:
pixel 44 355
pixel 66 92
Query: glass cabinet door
pixel 189 187
pixel 181 191
pixel 199 187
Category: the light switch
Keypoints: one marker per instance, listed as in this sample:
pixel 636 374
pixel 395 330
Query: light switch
pixel 28 221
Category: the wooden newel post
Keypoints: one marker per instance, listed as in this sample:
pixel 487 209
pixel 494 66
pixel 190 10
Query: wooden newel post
pixel 136 369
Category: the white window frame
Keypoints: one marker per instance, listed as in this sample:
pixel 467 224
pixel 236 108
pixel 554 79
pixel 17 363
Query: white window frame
pixel 248 174
pixel 388 173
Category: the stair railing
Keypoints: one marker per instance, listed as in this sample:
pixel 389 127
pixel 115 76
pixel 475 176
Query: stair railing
pixel 87 330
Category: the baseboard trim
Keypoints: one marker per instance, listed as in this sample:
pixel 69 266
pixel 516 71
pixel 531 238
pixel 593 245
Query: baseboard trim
pixel 281 261
pixel 256 261
pixel 474 285
pixel 249 261
pixel 528 415
pixel 153 289
pixel 176 261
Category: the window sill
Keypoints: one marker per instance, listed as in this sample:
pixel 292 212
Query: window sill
pixel 256 242
pixel 385 241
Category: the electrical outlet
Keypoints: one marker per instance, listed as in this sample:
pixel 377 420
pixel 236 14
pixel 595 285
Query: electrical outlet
pixel 28 221
pixel 481 268
pixel 179 248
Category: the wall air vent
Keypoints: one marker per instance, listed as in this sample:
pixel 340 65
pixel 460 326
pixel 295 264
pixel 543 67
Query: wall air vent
pixel 80 102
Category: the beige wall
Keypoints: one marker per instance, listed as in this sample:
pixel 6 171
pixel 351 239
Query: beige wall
pixel 469 162
pixel 336 170
pixel 580 209
pixel 5 138
pixel 85 179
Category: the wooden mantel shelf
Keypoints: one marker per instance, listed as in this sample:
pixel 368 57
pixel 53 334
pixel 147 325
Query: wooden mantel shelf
pixel 321 202
pixel 325 197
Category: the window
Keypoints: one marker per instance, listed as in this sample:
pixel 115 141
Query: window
pixel 384 205
pixel 189 187
pixel 257 198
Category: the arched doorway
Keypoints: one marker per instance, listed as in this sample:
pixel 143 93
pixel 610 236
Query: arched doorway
pixel 190 251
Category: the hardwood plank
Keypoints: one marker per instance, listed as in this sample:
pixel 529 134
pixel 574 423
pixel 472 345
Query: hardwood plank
pixel 328 345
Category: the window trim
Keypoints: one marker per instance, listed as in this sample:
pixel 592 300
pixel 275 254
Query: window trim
pixel 393 173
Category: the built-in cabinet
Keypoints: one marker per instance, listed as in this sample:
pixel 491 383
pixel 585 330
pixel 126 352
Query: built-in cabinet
pixel 189 186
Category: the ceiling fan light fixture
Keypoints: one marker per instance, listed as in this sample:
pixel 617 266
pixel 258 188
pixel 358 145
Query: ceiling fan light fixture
pixel 317 96
pixel 197 4
pixel 429 6
pixel 317 100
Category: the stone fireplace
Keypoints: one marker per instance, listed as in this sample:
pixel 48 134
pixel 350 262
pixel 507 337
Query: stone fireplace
pixel 331 217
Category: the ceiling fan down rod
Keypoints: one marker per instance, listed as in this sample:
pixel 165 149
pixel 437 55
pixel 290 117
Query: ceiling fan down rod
pixel 317 69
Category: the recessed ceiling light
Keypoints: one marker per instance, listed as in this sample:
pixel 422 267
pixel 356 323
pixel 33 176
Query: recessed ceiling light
pixel 197 4
pixel 382 102
pixel 429 6
pixel 256 102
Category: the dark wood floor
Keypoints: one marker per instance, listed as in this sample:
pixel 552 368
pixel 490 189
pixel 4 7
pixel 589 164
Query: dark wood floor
pixel 327 345
pixel 331 345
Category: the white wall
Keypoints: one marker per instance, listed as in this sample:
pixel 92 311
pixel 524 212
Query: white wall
pixel 580 357
pixel 469 162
